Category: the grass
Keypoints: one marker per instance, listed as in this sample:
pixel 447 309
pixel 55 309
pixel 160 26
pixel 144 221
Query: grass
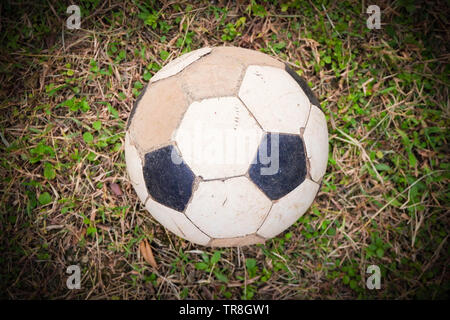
pixel 66 199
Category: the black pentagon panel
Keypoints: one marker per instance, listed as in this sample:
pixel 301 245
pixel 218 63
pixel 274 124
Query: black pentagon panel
pixel 133 110
pixel 304 85
pixel 276 178
pixel 168 180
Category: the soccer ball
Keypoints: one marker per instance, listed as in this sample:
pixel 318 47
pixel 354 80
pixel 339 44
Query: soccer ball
pixel 226 146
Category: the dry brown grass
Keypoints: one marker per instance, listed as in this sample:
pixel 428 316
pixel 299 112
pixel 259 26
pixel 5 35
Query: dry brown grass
pixel 404 205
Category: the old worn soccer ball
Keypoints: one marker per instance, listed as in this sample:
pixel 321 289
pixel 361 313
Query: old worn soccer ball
pixel 226 146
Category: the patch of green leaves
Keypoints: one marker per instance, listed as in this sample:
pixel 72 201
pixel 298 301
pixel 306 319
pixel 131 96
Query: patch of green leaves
pixel 231 31
pixel 49 171
pixel 45 198
pixel 210 265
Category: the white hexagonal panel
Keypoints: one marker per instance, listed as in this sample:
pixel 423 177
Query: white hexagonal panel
pixel 178 64
pixel 316 142
pixel 275 99
pixel 176 222
pixel 227 209
pixel 134 168
pixel 218 137
pixel 288 209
